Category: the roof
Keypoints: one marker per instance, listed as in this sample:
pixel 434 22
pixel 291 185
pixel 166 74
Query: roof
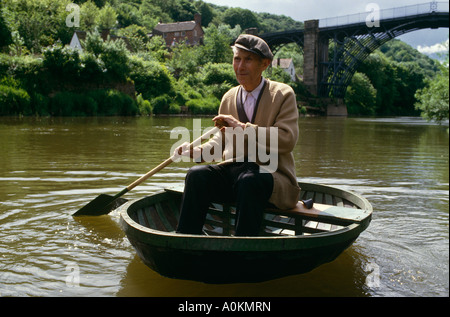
pixel 175 27
pixel 104 35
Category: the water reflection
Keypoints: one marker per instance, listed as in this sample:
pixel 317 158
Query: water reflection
pixel 51 167
pixel 343 277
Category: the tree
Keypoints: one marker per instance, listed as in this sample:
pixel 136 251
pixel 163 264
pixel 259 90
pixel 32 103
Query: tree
pixel 361 96
pixel 245 18
pixel 151 78
pixel 182 10
pixel 433 100
pixel 93 43
pixel 157 48
pixel 37 21
pixel 136 35
pixel 127 14
pixel 5 34
pixel 206 11
pixel 184 60
pixel 277 74
pixel 107 17
pixel 150 14
pixel 17 46
pixel 217 45
pixel 89 11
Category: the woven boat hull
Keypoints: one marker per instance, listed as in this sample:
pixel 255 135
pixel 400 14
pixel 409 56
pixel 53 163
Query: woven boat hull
pixel 219 257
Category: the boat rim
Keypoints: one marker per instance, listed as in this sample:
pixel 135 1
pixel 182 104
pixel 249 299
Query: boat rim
pixel 177 240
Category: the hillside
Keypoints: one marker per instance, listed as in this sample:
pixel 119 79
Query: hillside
pixel 39 75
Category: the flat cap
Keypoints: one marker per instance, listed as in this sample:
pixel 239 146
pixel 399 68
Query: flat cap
pixel 254 44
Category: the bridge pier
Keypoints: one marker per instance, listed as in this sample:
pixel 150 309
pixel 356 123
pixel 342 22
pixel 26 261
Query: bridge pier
pixel 315 56
pixel 336 107
pixel 311 56
pixel 315 61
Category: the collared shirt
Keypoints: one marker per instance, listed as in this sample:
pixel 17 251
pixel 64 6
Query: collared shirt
pixel 250 103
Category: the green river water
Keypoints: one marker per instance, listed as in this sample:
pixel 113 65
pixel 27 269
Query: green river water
pixel 51 167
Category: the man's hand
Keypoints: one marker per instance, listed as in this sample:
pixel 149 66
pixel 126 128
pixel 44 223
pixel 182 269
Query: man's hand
pixel 228 121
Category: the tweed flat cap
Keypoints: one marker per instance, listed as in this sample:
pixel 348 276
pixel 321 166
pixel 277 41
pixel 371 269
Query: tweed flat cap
pixel 254 44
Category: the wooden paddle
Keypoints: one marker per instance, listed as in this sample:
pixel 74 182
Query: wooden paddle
pixel 104 204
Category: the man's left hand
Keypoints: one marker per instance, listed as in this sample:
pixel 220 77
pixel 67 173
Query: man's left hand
pixel 229 120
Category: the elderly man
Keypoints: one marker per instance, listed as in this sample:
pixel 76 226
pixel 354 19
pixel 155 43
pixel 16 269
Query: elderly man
pixel 261 105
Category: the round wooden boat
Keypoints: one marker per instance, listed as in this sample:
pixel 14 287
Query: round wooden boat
pixel 291 242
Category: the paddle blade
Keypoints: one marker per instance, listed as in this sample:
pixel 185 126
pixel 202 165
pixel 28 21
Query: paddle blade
pixel 101 205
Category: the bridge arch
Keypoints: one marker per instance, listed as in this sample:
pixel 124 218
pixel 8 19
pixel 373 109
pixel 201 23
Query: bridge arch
pixel 354 40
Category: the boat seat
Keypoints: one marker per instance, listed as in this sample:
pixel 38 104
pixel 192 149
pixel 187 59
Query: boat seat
pixel 324 213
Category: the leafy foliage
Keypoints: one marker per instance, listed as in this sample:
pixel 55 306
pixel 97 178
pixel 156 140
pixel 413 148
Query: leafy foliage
pixel 361 96
pixel 397 71
pixel 41 76
pixel 433 100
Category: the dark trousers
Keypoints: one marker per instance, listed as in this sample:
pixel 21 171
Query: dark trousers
pixel 238 183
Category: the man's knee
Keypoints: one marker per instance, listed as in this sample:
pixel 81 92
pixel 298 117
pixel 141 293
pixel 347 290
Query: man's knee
pixel 256 183
pixel 198 173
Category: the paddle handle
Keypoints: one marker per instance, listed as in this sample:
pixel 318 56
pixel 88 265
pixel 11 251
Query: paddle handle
pixel 166 162
pixel 151 173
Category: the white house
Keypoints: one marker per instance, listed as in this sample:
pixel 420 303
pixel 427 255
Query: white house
pixel 75 43
pixel 287 65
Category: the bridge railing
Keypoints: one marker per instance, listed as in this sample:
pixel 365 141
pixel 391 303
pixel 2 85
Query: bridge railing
pixel 385 14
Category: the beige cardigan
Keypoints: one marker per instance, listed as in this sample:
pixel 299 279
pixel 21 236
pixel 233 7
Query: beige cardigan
pixel 277 108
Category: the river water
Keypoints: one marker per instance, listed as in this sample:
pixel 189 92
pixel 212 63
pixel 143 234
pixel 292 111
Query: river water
pixel 51 167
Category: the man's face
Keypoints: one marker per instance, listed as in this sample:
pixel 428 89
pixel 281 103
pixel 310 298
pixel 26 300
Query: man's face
pixel 249 68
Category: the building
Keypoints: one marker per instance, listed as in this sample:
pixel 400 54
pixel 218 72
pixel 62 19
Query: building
pixel 79 36
pixel 287 65
pixel 190 32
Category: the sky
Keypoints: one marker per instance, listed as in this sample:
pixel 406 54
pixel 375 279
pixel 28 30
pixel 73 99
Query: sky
pixel 427 41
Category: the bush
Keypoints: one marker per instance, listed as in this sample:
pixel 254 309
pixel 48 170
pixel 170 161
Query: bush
pixel 433 100
pixel 208 105
pixel 145 107
pixel 14 101
pixel 151 79
pixel 174 108
pixel 218 79
pixel 25 71
pixel 93 68
pixel 278 74
pixel 361 97
pixel 214 74
pixel 63 63
pixel 114 103
pixel 40 104
pixel 110 56
pixel 72 104
pixel 161 104
pixel 106 102
pixel 115 59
